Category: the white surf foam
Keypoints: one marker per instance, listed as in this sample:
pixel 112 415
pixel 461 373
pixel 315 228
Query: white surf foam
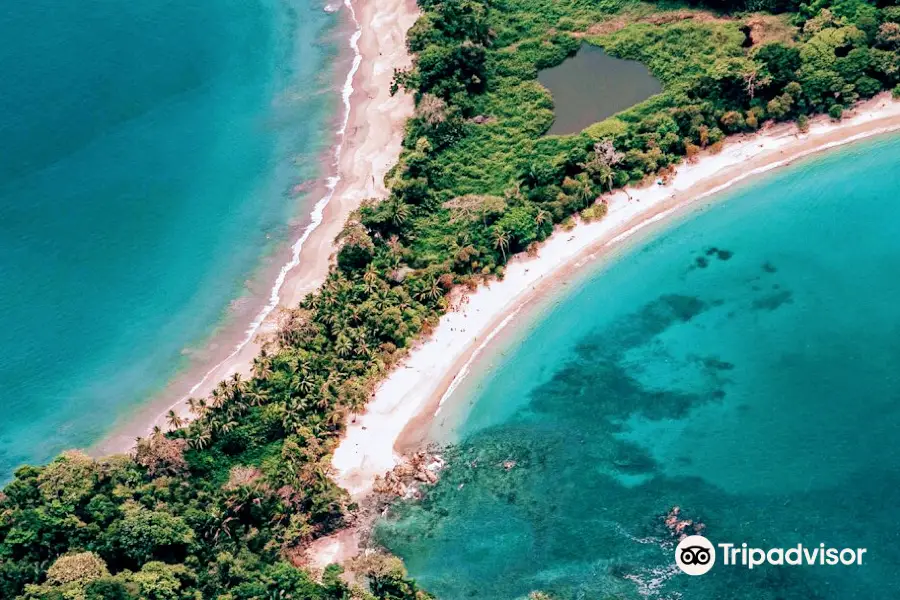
pixel 316 217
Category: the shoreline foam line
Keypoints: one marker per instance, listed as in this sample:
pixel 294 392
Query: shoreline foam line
pixel 405 402
pixel 316 217
pixel 462 373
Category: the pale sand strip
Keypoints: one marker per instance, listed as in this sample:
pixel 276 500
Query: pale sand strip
pixel 411 395
pixel 371 146
pixel 374 134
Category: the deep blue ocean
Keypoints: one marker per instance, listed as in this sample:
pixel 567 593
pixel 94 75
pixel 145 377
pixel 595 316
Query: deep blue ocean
pixel 148 154
pixel 741 363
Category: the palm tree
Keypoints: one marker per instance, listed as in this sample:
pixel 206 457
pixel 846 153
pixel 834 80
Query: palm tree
pixel 218 396
pixel 399 211
pixel 194 406
pixel 541 217
pixel 262 364
pixel 600 167
pixel 608 177
pixel 298 403
pixel 306 383
pixel 343 345
pixel 293 417
pixel 370 279
pixel 336 417
pixel 329 317
pixel 501 241
pixel 532 176
pixel 175 422
pixel 326 394
pixel 585 190
pixel 235 392
pixel 256 397
pixel 200 440
pixel 435 290
pixel 362 348
pixel 343 286
pixel 302 384
pixel 382 300
pixel 227 426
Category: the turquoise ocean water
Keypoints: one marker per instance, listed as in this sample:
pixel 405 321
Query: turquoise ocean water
pixel 742 363
pixel 148 155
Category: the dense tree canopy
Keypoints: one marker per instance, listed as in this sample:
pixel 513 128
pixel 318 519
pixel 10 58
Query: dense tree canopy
pixel 222 507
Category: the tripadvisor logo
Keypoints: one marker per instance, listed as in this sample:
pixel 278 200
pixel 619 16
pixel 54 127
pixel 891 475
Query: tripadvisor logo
pixel 696 555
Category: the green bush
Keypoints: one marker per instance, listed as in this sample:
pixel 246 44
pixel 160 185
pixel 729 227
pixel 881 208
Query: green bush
pixel 213 508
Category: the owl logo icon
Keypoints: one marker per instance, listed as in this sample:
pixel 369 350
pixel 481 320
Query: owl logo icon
pixel 695 555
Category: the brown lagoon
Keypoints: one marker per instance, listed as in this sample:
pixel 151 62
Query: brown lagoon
pixel 592 86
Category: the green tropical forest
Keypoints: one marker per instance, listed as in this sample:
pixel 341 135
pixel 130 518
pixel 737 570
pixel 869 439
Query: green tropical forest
pixel 223 506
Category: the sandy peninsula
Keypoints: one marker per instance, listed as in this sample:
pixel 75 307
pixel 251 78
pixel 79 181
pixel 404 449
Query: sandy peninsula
pixel 367 145
pixel 407 401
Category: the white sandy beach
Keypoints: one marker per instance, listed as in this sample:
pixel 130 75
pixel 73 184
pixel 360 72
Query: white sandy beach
pixel 410 396
pixel 408 399
pixel 368 146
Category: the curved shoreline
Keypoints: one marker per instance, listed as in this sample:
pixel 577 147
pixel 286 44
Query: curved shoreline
pixel 405 404
pixel 316 215
pixel 367 144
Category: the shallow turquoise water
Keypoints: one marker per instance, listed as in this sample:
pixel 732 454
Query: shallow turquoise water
pixel 148 153
pixel 743 364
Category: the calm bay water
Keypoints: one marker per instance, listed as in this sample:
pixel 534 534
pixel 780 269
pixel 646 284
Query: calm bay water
pixel 742 364
pixel 148 154
pixel 592 86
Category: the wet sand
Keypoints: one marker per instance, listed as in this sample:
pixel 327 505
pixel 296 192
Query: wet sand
pixel 369 145
pixel 405 404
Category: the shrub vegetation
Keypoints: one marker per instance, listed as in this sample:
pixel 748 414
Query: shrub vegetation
pixel 222 506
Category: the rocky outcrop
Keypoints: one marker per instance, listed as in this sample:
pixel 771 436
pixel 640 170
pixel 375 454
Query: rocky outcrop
pixel 404 480
pixel 680 528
